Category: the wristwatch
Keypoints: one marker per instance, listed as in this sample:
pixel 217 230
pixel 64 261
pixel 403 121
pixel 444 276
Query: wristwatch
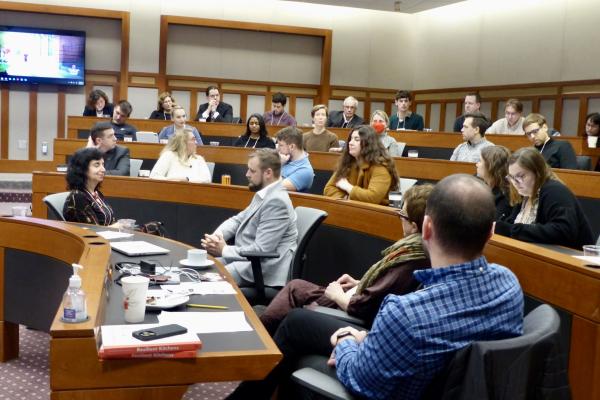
pixel 343 335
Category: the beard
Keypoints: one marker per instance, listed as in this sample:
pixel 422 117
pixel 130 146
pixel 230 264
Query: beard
pixel 255 187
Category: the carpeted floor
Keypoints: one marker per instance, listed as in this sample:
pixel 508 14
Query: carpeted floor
pixel 26 378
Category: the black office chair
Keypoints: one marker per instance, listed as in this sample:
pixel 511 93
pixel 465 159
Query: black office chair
pixel 307 222
pixel 502 369
pixel 55 203
pixel 584 163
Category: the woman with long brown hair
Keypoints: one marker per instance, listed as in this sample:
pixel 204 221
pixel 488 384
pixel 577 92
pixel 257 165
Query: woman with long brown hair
pixel 493 168
pixel 365 171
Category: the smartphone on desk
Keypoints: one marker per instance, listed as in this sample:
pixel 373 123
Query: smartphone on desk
pixel 159 332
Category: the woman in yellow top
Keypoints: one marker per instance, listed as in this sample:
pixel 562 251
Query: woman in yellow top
pixel 365 171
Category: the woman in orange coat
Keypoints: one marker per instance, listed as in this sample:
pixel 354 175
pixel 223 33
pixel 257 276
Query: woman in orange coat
pixel 365 171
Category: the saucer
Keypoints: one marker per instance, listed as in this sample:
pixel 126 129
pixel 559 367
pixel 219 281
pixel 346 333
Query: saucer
pixel 164 303
pixel 207 263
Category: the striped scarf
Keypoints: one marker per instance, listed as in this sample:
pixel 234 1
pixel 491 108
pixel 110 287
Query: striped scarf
pixel 405 249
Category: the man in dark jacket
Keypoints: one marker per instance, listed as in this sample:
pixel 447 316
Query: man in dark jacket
pixel 116 158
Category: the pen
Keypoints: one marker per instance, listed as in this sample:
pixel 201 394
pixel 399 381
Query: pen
pixel 208 306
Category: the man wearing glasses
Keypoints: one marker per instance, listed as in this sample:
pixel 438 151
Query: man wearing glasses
pixel 346 118
pixel 557 153
pixel 214 110
pixel 512 122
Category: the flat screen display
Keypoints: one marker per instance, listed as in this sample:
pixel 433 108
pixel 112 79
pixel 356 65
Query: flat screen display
pixel 32 55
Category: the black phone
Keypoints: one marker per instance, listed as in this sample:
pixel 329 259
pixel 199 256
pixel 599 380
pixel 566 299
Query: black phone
pixel 159 332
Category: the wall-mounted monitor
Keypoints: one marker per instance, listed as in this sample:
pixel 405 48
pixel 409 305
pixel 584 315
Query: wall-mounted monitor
pixel 32 55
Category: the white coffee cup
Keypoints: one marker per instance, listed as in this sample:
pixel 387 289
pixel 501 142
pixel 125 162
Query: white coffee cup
pixel 592 141
pixel 413 153
pixel 126 225
pixel 214 143
pixel 134 297
pixel 19 211
pixel 196 256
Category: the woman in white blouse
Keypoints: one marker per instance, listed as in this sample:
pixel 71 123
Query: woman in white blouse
pixel 179 162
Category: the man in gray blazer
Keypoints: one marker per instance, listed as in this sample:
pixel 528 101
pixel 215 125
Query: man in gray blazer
pixel 116 158
pixel 268 224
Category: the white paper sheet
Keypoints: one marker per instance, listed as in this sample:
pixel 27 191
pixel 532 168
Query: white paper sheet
pixel 207 322
pixel 222 287
pixel 590 260
pixel 109 235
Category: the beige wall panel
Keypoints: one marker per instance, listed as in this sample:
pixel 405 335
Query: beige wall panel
pixel 335 105
pixel 375 105
pixel 500 113
pixel 227 53
pixel 570 116
pixel 434 119
pixel 486 108
pixel 144 101
pixel 18 124
pixel 234 100
pixel 256 104
pixel 182 97
pixel 420 109
pixel 450 117
pixel 103 37
pixel 47 104
pixel 74 104
pixel 527 107
pixel 303 107
pixel 547 110
pixel 593 105
pixel 581 55
pixel 144 36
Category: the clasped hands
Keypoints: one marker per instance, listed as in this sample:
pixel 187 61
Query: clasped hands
pixel 344 185
pixel 354 334
pixel 214 244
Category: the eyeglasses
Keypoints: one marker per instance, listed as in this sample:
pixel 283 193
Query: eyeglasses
pixel 532 132
pixel 403 214
pixel 520 178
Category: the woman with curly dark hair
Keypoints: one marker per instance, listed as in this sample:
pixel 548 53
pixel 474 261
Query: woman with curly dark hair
pixel 97 105
pixel 256 135
pixel 86 203
pixel 164 108
pixel 493 168
pixel 365 171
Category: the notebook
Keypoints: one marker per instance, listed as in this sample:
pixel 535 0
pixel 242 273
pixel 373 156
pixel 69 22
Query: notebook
pixel 135 248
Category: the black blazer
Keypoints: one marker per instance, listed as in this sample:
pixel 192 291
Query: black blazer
pixel 91 112
pixel 160 115
pixel 559 154
pixel 116 161
pixel 560 220
pixel 336 120
pixel 225 113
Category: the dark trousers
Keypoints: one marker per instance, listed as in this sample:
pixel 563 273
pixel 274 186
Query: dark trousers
pixel 303 332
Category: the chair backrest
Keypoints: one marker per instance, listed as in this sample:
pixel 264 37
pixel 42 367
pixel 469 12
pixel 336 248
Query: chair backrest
pixel 584 163
pixel 211 168
pixel 56 202
pixel 146 137
pixel 134 166
pixel 307 222
pixel 401 146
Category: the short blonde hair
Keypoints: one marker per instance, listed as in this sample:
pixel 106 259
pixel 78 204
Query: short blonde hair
pixel 317 108
pixel 382 114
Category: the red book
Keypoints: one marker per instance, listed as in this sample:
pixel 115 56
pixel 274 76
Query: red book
pixel 178 354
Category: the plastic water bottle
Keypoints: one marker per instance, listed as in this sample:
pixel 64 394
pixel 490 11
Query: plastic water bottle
pixel 74 302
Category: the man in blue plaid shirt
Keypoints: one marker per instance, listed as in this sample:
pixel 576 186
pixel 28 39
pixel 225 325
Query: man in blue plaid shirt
pixel 463 299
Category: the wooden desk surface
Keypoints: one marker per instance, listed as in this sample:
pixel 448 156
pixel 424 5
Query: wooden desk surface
pixel 75 370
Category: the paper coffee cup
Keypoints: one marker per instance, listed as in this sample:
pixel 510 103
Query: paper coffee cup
pixel 592 141
pixel 126 225
pixel 413 153
pixel 134 297
pixel 196 256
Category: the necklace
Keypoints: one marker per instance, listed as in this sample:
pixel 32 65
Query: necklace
pixel 248 141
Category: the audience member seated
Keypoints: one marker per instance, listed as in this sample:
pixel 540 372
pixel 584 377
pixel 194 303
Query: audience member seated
pixel 123 131
pixel 116 158
pixel 493 169
pixel 472 105
pixel 365 171
pixel 178 161
pixel 549 212
pixel 557 153
pixel 214 110
pixel 404 119
pixel 256 135
pixel 278 115
pixel 319 138
pixel 473 132
pixel 268 224
pixel 592 128
pixel 380 122
pixel 85 202
pixel 179 119
pixel 463 299
pixel 296 171
pixel 512 122
pixel 346 118
pixel 97 105
pixel 362 298
pixel 164 108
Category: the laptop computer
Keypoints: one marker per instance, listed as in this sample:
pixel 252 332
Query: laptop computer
pixel 137 248
pixel 146 137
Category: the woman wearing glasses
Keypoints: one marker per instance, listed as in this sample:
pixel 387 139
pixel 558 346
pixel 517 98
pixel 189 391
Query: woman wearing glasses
pixel 362 298
pixel 256 135
pixel 492 167
pixel 549 212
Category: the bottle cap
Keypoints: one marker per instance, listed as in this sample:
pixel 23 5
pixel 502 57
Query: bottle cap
pixel 75 280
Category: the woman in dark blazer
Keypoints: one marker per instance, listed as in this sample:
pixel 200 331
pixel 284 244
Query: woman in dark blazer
pixel 97 105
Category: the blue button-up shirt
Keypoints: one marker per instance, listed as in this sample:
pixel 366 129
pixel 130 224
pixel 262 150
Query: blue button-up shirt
pixel 415 335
